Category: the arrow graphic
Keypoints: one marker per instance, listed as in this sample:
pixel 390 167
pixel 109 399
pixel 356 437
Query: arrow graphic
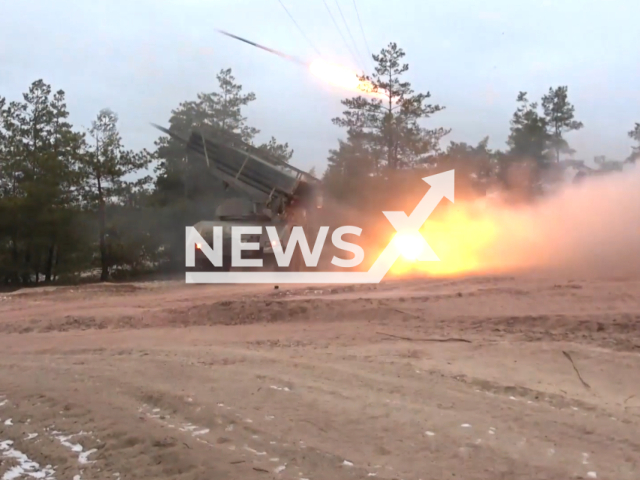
pixel 442 186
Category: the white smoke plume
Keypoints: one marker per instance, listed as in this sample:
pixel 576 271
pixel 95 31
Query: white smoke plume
pixel 587 229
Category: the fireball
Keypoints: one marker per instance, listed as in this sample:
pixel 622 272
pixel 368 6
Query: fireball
pixel 463 238
pixel 580 230
pixel 344 78
pixel 410 245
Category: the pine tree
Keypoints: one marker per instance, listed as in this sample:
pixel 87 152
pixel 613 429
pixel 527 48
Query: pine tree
pixel 216 113
pixel 65 150
pixel 278 150
pixel 468 160
pixel 389 128
pixel 635 150
pixel 104 169
pixel 222 111
pixel 529 137
pixel 560 119
pixel 349 164
pixel 40 154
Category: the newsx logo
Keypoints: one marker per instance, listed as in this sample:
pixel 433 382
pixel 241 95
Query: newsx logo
pixel 214 253
pixel 442 186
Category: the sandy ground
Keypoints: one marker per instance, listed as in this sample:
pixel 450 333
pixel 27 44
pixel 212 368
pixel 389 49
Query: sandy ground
pixel 538 379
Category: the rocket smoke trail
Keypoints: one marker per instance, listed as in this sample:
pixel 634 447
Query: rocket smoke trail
pixel 270 50
pixel 334 74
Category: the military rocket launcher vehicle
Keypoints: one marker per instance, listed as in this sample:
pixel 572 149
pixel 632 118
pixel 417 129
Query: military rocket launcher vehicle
pixel 278 193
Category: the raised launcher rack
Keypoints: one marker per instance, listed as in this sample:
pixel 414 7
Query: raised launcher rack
pixel 264 178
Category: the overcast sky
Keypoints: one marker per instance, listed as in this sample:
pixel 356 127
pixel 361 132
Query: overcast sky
pixel 141 58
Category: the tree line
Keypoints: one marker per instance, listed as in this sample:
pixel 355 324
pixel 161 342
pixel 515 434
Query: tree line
pixel 75 202
pixel 386 138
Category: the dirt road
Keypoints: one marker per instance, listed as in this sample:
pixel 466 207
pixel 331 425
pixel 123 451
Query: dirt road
pixel 479 378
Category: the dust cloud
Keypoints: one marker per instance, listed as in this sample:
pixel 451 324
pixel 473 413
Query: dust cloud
pixel 588 229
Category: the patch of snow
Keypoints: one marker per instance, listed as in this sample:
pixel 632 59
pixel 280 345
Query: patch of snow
pixel 84 456
pixel 25 467
pixel 64 440
pixel 248 449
